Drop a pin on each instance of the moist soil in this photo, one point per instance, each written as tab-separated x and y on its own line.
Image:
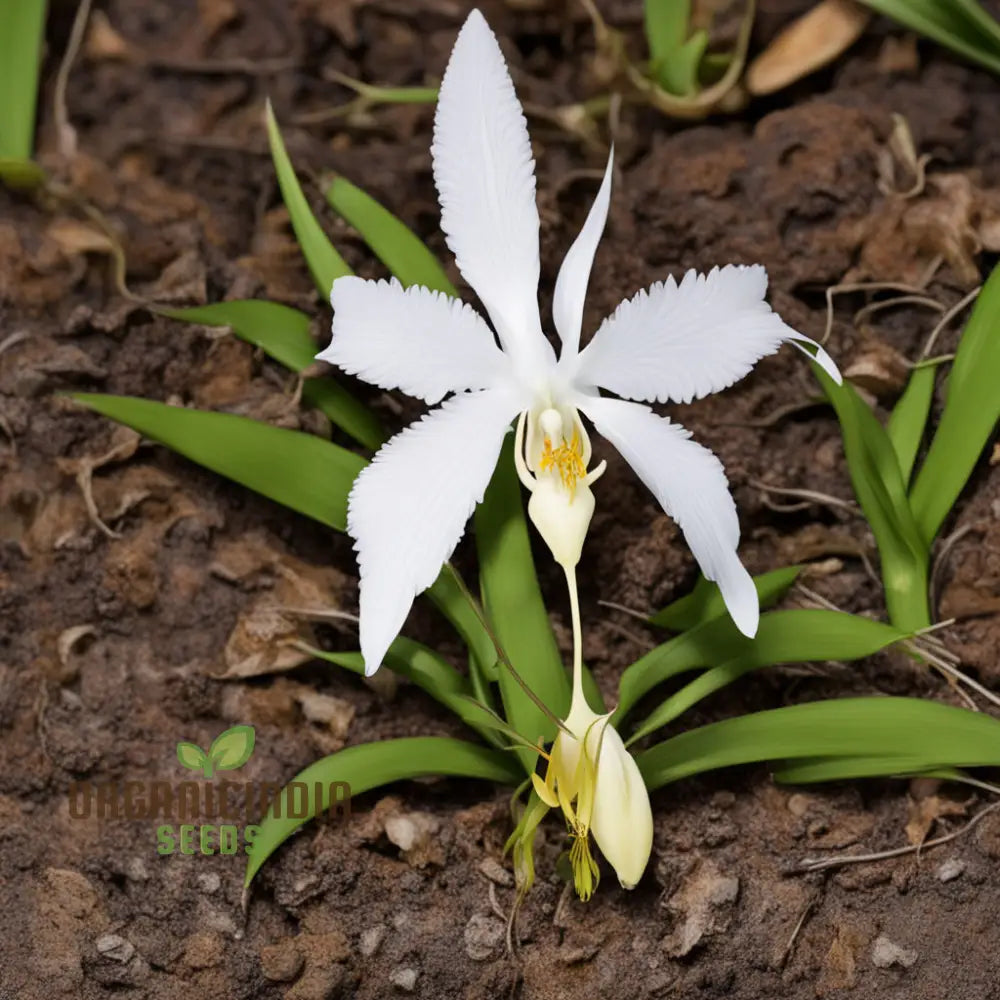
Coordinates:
130	579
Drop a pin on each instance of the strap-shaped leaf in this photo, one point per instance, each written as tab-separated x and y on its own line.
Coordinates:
908	733
515	609
372	765
283	334
797	635
705	601
22	32
392	241
325	264
297	470
878	485
801	636
908	419
970	414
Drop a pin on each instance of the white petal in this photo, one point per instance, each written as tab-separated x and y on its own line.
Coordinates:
485	176
407	510
413	339
690	484
682	342
574	275
622	820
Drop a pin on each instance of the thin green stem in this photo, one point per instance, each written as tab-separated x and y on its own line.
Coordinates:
574	603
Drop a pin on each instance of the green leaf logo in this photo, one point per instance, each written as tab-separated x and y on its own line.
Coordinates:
229	750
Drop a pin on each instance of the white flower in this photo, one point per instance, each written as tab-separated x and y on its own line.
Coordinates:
597	784
675	342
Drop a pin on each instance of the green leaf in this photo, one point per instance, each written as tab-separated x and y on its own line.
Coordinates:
705	601
22	33
232	749
960	25
298	470
971	411
516	611
394	243
811	770
283	334
372	765
677	73
424	668
191	756
325	264
908	419
910	734
878	485
799	636
666	24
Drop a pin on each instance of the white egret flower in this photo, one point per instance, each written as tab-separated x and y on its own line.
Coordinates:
676	341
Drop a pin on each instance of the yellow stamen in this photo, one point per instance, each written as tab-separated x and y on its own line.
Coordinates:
567	459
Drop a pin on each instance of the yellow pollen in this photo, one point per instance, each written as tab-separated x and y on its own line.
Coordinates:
568	459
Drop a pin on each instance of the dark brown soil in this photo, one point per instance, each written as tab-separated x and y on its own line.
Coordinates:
171	150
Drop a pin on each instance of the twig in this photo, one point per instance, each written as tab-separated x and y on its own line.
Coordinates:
65	132
941	562
864	286
643	616
947	318
800	923
820	864
810	496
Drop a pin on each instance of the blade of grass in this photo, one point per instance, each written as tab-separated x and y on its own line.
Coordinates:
22	33
372	765
910	733
325	264
705	601
799	636
947	22
971	411
283	334
424	668
299	471
878	485
514	607
394	243
908	419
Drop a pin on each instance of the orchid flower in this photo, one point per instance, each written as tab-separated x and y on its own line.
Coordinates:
676	341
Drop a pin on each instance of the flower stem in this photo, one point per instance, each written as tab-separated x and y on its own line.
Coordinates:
574	603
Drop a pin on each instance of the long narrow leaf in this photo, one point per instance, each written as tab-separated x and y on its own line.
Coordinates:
947	22
705	601
800	636
22	29
910	733
427	670
394	243
515	608
298	470
970	414
908	419
283	334
325	264
878	485
666	24
373	765
811	770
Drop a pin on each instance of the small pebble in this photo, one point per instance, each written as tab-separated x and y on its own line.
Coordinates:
495	872
950	870
886	953
483	934
114	947
371	940
404	979
208	882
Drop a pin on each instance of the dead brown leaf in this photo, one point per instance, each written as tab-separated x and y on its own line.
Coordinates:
807	44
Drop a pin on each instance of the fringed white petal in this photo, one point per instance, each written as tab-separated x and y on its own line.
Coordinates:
485	176
413	339
682	342
574	275
691	486
407	510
